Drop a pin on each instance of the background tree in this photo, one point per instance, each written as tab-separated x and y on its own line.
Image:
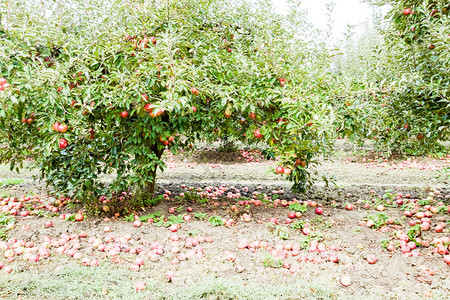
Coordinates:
400	100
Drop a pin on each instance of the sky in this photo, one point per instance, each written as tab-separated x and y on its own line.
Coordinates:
345	12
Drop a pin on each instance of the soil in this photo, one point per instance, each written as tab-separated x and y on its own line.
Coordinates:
394	276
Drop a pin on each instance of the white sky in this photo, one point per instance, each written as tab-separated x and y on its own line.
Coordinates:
345	12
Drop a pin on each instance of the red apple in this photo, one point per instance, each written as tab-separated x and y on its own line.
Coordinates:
140	285
148	108
157	112
345	281
239	268
425	226
173	228
319	210
231	257
447	259
333	258
279	169
194	91
62	143
438	228
273	220
62	128
124	114
94	263
371	259
170	274
257	134
411	245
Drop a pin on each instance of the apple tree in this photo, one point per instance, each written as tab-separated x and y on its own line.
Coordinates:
105	87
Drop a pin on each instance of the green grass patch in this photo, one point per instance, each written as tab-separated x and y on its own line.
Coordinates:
5	221
111	282
216	221
10	181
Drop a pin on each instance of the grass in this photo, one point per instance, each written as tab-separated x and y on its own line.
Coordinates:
200	216
270	262
10	181
297	207
216	221
111	282
282	232
379	219
443	174
5	221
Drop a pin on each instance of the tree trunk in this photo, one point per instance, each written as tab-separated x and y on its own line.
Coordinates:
227	145
149	189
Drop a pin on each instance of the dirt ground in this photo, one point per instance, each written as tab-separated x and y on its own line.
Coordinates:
280	261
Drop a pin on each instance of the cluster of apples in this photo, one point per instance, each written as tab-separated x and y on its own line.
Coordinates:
29	120
25	206
318	252
148	108
91	250
3	84
281	170
61	128
421	216
138	42
251	155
